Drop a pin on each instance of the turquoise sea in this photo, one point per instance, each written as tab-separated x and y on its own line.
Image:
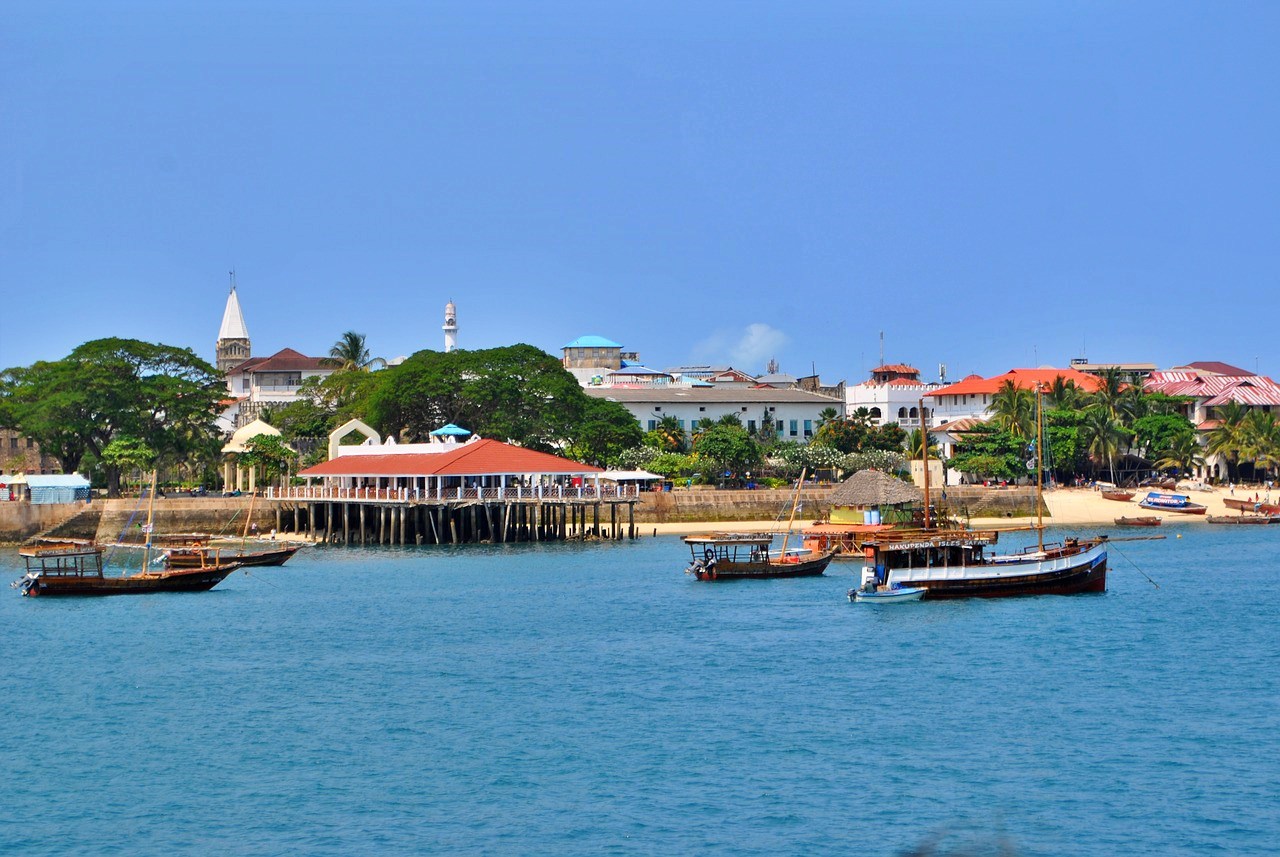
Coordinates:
592	699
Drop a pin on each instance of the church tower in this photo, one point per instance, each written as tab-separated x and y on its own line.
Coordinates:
232	348
450	327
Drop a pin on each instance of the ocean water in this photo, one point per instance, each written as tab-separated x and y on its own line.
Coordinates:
592	699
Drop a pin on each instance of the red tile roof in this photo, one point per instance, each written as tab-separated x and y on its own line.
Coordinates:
285	360
897	367
477	458
1026	379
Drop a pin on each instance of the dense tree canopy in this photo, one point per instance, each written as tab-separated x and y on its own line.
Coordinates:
159	395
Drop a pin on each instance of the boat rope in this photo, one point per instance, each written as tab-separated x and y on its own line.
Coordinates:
260	579
120	538
1111	543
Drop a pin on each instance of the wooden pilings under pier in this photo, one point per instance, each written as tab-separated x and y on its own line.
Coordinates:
467	522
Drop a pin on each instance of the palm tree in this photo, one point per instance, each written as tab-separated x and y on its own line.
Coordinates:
1261	441
1110	390
349	354
701	427
730	419
1013	409
1185	454
1064	395
672	434
1102	436
914	450
826	415
1228	439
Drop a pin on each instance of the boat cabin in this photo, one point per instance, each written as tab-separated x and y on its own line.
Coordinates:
69	559
927	550
730	547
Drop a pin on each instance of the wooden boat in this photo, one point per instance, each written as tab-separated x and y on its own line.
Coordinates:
75	568
199	556
1247	505
886	596
954	563
1240	519
63	569
741	556
1140	521
1123	496
198	553
1179	503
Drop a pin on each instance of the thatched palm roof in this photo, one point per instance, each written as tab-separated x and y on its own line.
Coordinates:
874	488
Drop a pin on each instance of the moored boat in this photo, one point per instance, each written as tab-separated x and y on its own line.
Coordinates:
199	556
882	595
1179	503
954	564
741	556
1123	496
1247	505
1139	521
76	568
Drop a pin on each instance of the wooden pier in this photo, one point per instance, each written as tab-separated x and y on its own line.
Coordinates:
391	517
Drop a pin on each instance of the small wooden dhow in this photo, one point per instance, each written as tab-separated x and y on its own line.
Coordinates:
1139	521
1116	494
73	567
197	552
1178	503
1251	506
743	556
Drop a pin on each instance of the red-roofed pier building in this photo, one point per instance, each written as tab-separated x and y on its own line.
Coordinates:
456	488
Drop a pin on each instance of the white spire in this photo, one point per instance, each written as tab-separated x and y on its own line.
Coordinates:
233	319
450	327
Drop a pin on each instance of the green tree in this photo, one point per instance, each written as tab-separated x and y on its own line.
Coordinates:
669	435
1110	392
1156	433
270	454
1013	409
826	415
988	451
1103	436
164	396
1260	444
1228	439
350	354
605	431
129	454
1184	455
728	448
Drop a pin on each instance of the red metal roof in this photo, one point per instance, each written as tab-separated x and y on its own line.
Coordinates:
478	458
1253	390
1217	367
1026	379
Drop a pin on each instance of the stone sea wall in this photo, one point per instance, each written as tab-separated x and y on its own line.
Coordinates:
21	521
711	505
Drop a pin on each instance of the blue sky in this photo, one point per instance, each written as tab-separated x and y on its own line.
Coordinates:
990	184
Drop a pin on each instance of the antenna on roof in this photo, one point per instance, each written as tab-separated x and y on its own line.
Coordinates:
232	274
882	348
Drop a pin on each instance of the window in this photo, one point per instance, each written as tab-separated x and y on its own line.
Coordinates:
682	425
875	414
13	443
914	413
779	428
795	428
653	424
751	426
30	443
808	428
902	413
658	410
702	407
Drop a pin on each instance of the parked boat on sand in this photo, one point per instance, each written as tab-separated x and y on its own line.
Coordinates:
1122	496
1179	503
1139	521
1241	519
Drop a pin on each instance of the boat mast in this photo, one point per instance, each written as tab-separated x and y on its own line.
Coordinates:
792	520
924	454
244	537
1040	467
151	517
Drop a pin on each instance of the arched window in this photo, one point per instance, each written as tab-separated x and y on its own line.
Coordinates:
914	413
902	413
875	413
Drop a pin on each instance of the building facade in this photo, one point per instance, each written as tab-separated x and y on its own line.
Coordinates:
793	414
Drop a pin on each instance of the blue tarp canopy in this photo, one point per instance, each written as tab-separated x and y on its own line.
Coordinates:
57	488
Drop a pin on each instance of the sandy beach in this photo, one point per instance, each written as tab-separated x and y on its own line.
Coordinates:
1067	506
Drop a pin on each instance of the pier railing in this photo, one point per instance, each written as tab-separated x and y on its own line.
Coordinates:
516	493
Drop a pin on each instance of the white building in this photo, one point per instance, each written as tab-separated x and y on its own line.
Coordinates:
795	413
257	382
892	395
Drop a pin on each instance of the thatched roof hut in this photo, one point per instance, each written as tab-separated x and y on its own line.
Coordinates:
874	488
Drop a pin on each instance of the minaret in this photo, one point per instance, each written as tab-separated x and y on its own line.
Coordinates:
232	348
450	327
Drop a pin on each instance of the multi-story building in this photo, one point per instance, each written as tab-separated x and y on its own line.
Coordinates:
891	395
971	397
793	414
20	454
